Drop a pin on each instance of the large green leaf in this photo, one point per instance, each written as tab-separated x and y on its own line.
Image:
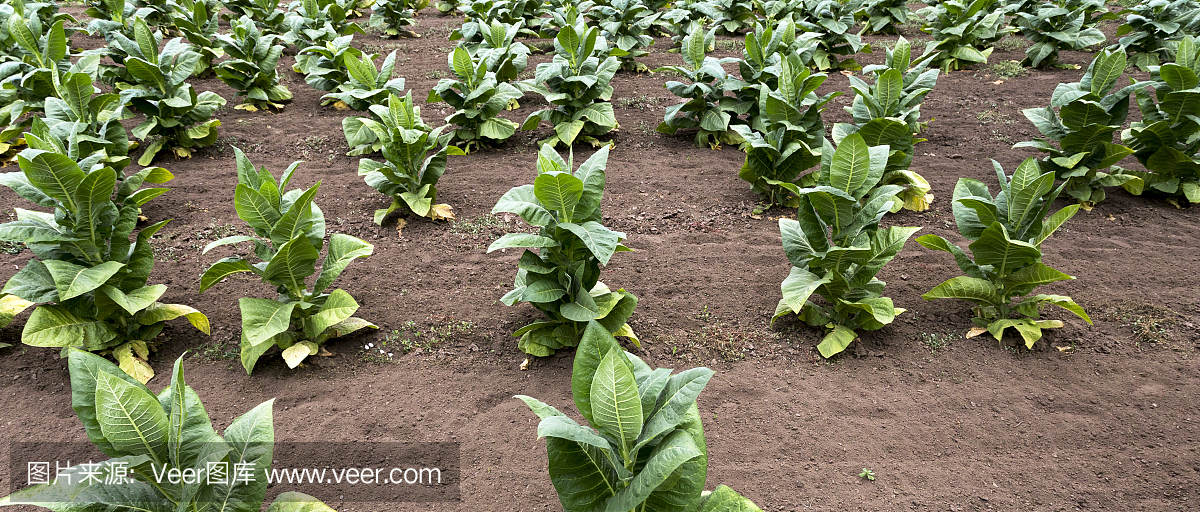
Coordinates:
252	439
511	240
799	285
57	326
523	202
131	418
851	165
616	406
135	300
596	343
665	460
598	239
56	175
677	398
223	268
559	191
582	475
85	369
292	264
966	288
159	312
254	208
836	341
724	499
190	430
342	250
1005	255
338	307
262	319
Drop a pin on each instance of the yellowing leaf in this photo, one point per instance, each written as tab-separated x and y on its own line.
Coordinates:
294	354
131	364
441	212
341	105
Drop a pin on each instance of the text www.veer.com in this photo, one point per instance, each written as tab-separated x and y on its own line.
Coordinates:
355	476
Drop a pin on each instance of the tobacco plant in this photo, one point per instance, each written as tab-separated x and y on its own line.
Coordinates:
325	65
1053	27
707	109
36	55
87	279
1089	113
407	175
576	84
85	123
1167	139
313	22
836	247
781	143
477	98
289	235
199	26
158	89
830	22
883	16
1005	264
265	13
887	113
365	86
504	56
643	445
390	17
626	24
146	434
963	33
1153	29
250	68
562	278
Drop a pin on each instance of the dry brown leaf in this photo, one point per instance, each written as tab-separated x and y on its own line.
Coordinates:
441	212
1065	350
998	82
325	353
525	364
976	331
400	223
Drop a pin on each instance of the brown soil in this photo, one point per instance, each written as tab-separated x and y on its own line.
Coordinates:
1101	417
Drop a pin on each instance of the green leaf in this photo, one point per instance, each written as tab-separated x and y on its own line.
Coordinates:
159	312
85	369
338	307
677	398
799	285
724	499
254	208
616	406
836	341
342	250
135	300
292	264
56	175
601	241
57	326
131	418
262	319
523	202
510	240
1005	255
666	458
252	439
596	343
559	191
966	288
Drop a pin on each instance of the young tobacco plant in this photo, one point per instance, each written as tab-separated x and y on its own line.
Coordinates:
85	123
1167	139
146	434
1089	113
365	86
250	68
1153	29
781	141
325	65
643	445
265	13
707	109
627	25
883	16
407	175
391	17
477	98
87	279
1053	27
157	88
313	22
36	53
887	113
289	234
198	25
576	84
562	278
1005	264
836	247
503	54
963	33
830	22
